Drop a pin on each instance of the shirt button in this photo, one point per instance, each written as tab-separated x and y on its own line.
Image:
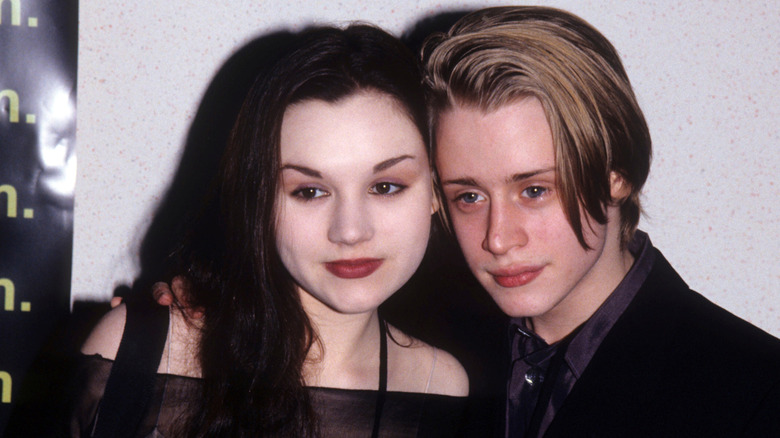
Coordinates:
521	332
534	376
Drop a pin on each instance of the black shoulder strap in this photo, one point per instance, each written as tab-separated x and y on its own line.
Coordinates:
130	385
382	393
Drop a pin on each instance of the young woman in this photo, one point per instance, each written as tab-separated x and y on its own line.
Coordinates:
321	210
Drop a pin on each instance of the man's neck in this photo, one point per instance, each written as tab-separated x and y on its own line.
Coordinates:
587	296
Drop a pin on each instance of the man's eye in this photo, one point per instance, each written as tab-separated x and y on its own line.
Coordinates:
308	193
386	188
534	191
469	198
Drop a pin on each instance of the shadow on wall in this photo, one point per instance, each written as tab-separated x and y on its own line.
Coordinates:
202	152
206	140
208	135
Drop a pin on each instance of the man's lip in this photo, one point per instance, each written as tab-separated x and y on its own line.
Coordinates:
516	276
353	268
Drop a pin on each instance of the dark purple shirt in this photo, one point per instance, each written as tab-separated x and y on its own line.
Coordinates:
531	355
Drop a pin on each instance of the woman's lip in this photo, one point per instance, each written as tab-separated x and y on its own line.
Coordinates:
514	277
353	268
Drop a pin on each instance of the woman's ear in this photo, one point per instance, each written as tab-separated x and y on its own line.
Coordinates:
619	188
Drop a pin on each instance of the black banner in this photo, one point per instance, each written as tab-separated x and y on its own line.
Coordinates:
38	52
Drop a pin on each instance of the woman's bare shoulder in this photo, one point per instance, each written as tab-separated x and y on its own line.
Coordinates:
107	334
448	376
180	351
425	368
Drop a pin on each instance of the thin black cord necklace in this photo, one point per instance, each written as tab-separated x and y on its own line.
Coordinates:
380	397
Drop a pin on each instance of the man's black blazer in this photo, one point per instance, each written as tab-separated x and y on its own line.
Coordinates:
676	365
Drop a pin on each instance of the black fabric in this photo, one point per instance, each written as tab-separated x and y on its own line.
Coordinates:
130	385
674	364
346	413
160	404
548	384
343	413
380	398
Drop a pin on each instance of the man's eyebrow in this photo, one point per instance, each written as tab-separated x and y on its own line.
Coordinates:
391	162
525	175
460	182
303	169
466	181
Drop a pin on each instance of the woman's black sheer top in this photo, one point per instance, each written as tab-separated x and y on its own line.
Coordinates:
343	413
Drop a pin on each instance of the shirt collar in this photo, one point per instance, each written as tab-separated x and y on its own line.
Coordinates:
595	329
585	343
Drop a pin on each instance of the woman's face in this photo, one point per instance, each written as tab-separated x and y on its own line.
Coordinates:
355	200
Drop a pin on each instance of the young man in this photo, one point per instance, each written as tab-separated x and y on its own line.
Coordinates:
542	151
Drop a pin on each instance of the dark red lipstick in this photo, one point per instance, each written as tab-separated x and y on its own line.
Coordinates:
354	268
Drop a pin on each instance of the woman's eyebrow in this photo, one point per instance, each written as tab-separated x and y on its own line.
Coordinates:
303	169
391	162
377	168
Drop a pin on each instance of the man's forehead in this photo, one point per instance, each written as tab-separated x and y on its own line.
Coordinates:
487	107
516	132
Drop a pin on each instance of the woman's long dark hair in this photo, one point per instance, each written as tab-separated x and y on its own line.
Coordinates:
255	334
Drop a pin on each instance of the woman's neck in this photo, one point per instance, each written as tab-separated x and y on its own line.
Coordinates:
346	354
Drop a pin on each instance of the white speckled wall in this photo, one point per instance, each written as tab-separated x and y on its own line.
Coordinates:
706	74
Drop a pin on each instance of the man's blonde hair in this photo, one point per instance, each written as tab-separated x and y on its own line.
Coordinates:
496	56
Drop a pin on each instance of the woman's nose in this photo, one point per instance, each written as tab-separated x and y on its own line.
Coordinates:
351	223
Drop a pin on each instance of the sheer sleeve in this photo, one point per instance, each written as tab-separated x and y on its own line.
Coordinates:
93	372
173	401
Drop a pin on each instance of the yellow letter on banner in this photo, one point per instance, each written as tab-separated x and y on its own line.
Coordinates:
5	381
8	286
10	191
13	100
16	12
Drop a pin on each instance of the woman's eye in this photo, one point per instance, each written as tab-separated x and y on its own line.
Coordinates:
308	193
386	188
534	191
469	198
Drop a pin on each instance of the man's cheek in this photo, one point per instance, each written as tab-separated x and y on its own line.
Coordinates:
470	236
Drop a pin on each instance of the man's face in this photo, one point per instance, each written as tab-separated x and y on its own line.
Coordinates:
498	174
